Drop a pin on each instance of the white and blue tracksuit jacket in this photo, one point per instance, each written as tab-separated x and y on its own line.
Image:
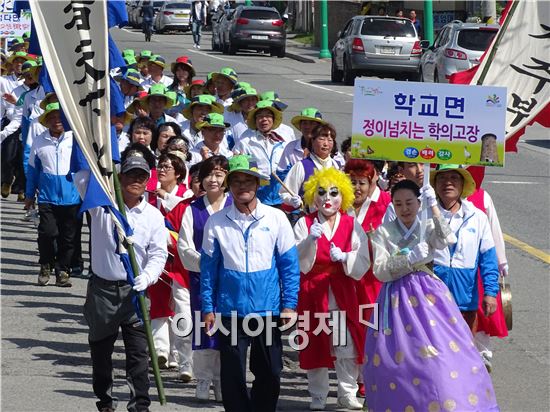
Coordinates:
457	265
255	271
49	170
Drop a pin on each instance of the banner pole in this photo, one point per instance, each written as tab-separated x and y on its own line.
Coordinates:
494	49
141	298
424	213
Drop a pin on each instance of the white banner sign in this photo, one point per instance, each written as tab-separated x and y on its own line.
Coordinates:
439	123
74	41
522	63
13	25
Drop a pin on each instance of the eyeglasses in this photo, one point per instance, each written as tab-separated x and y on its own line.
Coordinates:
165	167
265	116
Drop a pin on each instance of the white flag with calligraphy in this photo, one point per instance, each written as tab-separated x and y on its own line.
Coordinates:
522	64
74	42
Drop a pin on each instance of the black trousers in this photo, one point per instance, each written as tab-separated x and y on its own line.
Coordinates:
58	233
109	308
12	163
135	346
266	364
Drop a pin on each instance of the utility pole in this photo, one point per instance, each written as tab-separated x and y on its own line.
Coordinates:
324	53
488	11
428	21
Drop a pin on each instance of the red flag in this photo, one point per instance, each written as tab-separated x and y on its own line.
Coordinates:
517	63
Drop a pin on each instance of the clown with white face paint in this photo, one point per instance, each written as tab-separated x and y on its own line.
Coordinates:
333	250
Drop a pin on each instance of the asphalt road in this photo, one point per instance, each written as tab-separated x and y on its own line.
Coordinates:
45	357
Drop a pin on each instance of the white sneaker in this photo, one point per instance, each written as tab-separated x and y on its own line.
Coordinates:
185	372
349	402
217	390
318	403
173	360
202	390
195	45
198	46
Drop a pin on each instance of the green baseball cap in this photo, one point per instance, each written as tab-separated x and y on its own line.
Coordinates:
132	77
145	54
248	165
28	66
240	85
239	94
130	61
274	97
158	60
18	55
52	107
213	120
159	90
203	99
18	41
469	183
309	113
227	72
128	52
265	104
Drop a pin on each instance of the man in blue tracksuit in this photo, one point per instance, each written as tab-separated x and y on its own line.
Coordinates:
458	264
249	266
58	198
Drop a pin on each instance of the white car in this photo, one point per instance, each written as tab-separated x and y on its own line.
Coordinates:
173	16
457	47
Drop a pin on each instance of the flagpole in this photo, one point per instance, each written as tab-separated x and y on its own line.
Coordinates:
497	42
141	298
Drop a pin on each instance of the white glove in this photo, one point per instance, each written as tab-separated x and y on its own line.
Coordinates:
503	269
142	282
295	202
336	254
316	230
419	253
427	194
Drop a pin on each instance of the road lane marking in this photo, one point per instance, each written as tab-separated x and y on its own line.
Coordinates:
322	88
545	257
510	182
209	55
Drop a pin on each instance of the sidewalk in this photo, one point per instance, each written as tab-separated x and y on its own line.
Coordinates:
302	52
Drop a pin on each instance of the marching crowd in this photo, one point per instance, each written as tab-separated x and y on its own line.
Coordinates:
241	218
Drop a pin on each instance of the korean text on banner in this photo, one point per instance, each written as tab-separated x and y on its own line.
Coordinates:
522	64
14	25
436	123
74	39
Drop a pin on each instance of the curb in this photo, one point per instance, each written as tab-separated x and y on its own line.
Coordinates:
300	58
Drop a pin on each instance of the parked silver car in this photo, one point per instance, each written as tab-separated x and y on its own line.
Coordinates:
136	18
131	8
376	45
173	16
457	47
217	23
257	28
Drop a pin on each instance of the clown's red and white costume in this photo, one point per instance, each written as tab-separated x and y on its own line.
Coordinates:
327	286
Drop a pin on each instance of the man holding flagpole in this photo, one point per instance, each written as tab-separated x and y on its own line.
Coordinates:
110	299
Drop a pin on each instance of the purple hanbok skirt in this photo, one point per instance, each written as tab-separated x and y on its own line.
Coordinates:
423	357
205	341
